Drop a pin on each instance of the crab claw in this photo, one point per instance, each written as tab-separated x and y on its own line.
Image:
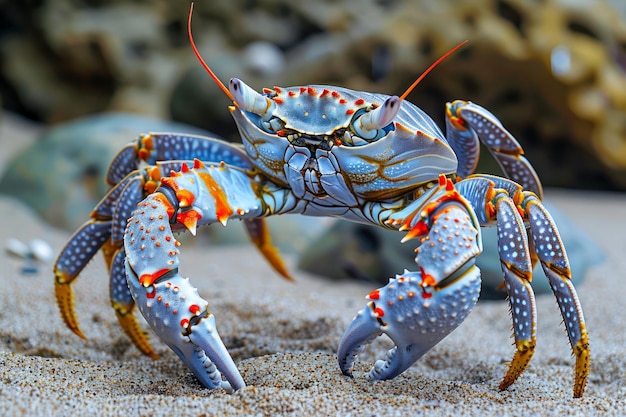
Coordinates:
168	302
413	314
182	320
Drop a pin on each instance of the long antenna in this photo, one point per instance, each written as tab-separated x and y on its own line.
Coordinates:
429	69
204	64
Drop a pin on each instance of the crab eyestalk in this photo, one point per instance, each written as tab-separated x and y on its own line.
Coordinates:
249	100
367	125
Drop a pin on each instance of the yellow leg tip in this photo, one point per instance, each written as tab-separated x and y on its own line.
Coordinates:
65	301
521	359
133	330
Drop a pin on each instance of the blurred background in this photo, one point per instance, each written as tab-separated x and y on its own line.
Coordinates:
78	79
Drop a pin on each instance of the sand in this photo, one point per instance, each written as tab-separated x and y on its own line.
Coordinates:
283	337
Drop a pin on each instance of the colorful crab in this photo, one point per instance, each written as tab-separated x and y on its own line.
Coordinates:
330	151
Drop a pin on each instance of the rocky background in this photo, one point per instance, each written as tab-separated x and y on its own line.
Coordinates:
554	71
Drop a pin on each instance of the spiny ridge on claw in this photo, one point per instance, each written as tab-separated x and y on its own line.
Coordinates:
374	295
190	219
419	229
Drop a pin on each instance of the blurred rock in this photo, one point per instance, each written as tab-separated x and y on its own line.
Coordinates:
61	175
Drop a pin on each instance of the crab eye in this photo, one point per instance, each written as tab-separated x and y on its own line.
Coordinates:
374	124
249	100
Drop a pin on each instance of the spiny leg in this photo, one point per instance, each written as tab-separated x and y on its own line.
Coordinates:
260	235
551	253
484	192
82	246
517	270
491	199
124	305
467	123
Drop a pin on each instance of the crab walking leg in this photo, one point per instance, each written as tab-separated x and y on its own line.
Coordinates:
169	303
488	194
517	270
82	246
551	253
92	236
259	234
467	124
124	305
416	310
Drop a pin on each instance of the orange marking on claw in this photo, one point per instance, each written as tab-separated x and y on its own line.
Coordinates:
278	100
190	219
427	279
184	323
147	280
223	210
194	309
419	229
311	91
170	182
359	102
184	167
378	312
185	198
349	112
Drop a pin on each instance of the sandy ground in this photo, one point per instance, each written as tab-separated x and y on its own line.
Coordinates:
283	337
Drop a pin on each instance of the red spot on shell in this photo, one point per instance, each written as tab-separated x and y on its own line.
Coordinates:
311	91
278	89
302	90
335	94
197	164
378	312
184	323
184	167
325	92
292	94
359	102
278	100
343	101
349	112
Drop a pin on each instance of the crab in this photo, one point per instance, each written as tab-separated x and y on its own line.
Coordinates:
330	151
